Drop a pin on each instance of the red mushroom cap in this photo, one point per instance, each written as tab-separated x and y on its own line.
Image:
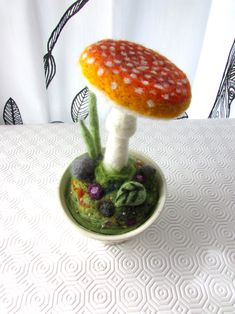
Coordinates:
136	78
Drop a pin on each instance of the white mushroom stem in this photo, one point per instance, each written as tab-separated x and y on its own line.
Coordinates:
121	126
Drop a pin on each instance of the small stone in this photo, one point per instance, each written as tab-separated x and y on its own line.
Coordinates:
83	168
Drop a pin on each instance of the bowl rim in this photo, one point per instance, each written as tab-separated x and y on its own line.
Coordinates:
117	237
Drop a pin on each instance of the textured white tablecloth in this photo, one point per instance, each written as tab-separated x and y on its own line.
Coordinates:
184	263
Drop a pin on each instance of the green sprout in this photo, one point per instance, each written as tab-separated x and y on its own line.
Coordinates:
92	137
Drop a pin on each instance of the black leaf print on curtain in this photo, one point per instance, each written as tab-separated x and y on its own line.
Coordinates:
226	93
79	108
48	59
49	67
11	113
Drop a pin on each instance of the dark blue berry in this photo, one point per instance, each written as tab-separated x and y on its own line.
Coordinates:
147	171
83	168
139	178
129	216
145	174
107	208
131	222
95	191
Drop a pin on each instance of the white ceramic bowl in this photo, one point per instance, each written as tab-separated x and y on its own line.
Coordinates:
161	182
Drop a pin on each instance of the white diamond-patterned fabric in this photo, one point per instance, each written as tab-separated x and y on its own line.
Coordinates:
184	263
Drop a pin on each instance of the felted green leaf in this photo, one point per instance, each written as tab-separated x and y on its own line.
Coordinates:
130	193
88	139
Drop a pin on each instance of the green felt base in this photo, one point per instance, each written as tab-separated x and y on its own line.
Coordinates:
85	212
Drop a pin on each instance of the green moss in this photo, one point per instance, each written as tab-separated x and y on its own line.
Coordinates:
103	176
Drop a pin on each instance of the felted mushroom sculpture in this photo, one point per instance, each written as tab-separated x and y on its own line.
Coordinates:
137	81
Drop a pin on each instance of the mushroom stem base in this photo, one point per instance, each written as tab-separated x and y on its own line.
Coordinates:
121	127
116	153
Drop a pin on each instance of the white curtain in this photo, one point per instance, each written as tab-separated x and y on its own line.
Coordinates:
214	82
197	35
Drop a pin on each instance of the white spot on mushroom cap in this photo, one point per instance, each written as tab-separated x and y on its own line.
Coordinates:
109	64
143	62
103	47
148	76
90	60
142	68
127	80
165	96
139	90
145	82
155	68
133	75
136	71
100	72
117	61
150	103
136	62
115	71
184	81
158	86
129	64
114	85
84	56
178	90
112	48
